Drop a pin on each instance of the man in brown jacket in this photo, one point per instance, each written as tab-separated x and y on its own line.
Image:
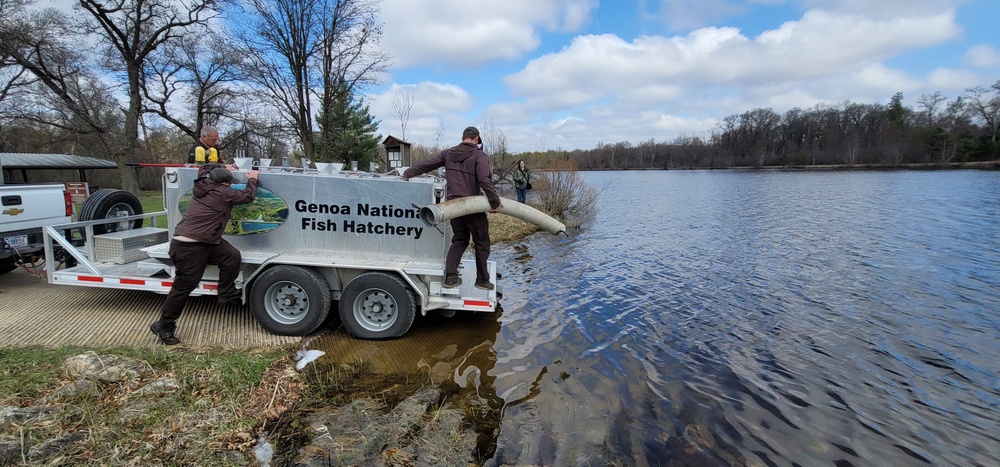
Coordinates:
198	242
467	170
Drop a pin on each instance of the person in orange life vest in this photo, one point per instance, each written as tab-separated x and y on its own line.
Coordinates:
204	151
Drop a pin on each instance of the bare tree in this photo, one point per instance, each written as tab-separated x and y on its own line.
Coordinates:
130	30
64	95
495	144
503	163
438	135
954	123
278	47
540	143
402	103
986	107
350	60
199	75
297	46
135	29
930	104
13	78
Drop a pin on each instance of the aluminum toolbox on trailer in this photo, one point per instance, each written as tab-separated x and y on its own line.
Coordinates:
126	246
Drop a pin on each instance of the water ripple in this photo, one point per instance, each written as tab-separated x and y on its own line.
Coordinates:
747	318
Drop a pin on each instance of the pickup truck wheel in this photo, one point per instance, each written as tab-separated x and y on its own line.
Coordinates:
290	300
109	204
6	267
377	305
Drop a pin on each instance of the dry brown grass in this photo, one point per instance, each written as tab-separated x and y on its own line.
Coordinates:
505	228
213	417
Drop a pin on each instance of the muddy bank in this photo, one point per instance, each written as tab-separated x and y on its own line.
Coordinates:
427	399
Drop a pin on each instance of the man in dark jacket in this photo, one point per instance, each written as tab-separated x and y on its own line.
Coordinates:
467	170
198	242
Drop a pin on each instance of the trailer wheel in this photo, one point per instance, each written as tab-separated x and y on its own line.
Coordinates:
109	204
377	305
290	300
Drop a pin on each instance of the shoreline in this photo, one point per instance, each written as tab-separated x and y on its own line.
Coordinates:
977	165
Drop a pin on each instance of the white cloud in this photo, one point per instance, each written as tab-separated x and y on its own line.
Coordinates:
429	98
601	87
982	56
883	79
818	45
459	34
434	105
945	79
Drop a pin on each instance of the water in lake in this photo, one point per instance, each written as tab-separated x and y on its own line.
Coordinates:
745	318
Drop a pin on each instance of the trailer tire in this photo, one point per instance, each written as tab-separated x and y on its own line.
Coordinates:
376	305
108	204
290	300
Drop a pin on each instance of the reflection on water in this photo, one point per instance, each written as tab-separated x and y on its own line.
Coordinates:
743	318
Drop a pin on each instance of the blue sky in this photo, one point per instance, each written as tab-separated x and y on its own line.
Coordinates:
570	74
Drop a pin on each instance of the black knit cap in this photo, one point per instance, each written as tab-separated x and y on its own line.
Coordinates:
220	175
470	132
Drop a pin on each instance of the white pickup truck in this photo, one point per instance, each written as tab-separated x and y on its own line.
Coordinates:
24	210
28	208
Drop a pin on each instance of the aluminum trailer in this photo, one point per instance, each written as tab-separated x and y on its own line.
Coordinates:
308	240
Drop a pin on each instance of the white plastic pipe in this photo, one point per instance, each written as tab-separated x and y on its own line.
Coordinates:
448	210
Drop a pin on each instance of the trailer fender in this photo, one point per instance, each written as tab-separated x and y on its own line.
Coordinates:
436	213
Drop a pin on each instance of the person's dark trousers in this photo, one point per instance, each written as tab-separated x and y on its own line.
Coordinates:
522	195
190	260
478	226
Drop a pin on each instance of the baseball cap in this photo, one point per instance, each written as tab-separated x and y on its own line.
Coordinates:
220	175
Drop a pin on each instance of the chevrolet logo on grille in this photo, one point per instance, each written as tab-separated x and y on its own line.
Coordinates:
13	211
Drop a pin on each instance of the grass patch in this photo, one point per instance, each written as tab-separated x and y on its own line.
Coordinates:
113	423
505	228
152	201
27	373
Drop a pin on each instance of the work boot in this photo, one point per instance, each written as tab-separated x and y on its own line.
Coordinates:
165	333
234	299
452	280
485	285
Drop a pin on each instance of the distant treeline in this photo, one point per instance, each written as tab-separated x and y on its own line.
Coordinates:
937	131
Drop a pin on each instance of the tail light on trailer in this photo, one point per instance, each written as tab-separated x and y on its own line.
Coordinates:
68	200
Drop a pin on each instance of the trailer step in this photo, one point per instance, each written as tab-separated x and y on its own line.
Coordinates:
151	266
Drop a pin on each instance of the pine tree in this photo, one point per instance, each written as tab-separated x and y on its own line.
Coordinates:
347	132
